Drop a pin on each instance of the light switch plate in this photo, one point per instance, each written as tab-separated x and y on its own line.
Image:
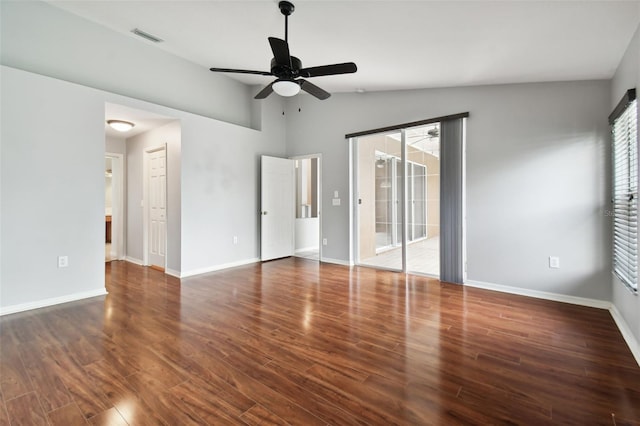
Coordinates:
554	262
336	201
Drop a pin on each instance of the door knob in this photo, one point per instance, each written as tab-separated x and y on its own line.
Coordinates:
264	213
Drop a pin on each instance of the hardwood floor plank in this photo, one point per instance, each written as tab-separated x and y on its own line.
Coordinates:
69	415
209	403
259	416
4	417
41	369
122	395
14	380
110	417
80	386
298	342
25	410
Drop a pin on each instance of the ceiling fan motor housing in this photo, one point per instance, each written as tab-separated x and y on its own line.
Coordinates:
285	71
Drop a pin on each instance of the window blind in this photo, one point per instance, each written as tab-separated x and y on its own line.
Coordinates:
625	192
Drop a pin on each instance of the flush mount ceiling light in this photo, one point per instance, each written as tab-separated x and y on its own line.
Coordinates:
286	88
120	125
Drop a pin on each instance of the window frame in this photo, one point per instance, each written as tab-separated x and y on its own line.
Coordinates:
624	179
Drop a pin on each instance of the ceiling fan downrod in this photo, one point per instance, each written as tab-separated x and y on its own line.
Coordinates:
286	8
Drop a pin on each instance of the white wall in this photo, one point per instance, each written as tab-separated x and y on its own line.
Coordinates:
46	213
38	37
115	145
627	77
169	134
537	175
307	233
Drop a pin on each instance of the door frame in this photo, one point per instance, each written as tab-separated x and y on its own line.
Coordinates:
319	195
145	203
117	206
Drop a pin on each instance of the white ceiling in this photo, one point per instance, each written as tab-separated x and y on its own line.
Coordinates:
396	44
143	120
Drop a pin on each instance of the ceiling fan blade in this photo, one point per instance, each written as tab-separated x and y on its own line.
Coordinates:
265	92
314	90
345	68
280	50
240	71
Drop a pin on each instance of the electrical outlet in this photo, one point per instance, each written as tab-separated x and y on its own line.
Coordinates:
235	239
554	262
63	261
324	241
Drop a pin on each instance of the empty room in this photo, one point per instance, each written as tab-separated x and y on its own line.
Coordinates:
319	212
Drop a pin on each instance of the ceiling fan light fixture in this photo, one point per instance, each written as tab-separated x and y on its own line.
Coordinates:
120	125
286	88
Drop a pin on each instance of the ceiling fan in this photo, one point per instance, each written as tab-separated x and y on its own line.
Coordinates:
288	69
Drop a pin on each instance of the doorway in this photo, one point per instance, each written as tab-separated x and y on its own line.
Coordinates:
290	207
114	207
307	227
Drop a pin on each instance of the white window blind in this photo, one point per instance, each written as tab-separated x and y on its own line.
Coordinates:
625	191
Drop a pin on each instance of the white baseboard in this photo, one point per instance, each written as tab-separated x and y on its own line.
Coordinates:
300	250
134	260
206	270
336	261
172	272
626	332
574	300
52	301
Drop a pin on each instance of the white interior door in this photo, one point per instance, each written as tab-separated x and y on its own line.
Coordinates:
277	222
157	202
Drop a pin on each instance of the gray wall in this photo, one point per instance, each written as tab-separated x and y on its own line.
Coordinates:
220	187
52	186
41	38
52	180
537	170
627	77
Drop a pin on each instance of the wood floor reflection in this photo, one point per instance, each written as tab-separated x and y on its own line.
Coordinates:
298	342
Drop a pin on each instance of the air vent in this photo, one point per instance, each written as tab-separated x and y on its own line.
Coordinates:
146	35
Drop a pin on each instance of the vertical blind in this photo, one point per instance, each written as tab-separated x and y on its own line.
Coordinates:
451	199
625	191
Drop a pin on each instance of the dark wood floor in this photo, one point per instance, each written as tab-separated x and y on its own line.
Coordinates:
297	342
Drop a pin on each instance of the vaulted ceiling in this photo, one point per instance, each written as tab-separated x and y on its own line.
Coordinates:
396	44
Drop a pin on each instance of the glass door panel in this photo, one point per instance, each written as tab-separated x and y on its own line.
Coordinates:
379	201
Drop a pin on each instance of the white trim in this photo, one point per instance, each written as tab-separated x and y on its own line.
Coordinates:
336	261
306	249
626	332
574	300
134	260
50	302
206	270
172	272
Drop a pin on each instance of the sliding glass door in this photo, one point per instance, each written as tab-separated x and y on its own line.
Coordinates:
397	178
380	172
